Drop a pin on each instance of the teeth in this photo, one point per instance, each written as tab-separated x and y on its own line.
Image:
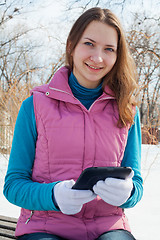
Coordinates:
93	67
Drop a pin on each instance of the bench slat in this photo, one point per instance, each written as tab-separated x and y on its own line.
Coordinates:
7	227
6	238
8	219
7	233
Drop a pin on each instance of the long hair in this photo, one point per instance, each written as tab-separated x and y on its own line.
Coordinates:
122	78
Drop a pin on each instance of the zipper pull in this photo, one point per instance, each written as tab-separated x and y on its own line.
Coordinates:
29	217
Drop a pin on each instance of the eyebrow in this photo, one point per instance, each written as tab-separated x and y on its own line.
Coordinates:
107	45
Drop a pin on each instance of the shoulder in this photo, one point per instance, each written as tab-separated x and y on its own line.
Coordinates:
136	114
28	101
27	106
26	116
27	110
136	126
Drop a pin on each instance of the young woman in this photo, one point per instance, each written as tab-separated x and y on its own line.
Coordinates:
86	116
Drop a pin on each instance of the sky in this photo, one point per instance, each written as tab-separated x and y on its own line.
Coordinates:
55	9
52	14
56	21
52	17
52	22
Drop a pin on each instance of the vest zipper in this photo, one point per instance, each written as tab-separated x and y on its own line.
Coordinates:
97	100
58	90
32	212
104	98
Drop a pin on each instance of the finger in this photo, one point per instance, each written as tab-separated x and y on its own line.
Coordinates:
106	196
113	191
101	184
81	201
115	182
103	192
121	188
69	183
77	193
72	210
95	189
81	194
89	199
112	200
98	190
131	175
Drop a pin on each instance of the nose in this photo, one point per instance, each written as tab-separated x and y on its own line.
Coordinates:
96	57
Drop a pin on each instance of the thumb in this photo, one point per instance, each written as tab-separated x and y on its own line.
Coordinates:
130	175
69	183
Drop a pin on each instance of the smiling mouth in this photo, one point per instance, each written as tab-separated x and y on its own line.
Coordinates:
96	68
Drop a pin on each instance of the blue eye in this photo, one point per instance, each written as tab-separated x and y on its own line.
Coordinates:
88	43
110	49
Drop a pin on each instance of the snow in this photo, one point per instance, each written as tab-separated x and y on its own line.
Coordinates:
143	218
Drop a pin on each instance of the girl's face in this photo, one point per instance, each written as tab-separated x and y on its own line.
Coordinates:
95	54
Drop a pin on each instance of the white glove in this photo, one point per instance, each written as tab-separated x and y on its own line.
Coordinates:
70	201
113	190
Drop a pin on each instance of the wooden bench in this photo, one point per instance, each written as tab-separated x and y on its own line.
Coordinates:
7	228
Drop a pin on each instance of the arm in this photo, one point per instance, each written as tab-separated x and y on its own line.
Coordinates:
132	158
19	188
125	193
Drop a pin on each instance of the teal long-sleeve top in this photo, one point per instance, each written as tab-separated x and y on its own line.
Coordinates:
19	188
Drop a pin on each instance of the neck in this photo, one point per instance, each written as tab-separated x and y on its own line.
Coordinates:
85	95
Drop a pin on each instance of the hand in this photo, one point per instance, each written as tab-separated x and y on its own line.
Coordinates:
70	201
113	190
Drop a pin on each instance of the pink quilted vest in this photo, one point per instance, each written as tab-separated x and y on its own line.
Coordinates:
70	139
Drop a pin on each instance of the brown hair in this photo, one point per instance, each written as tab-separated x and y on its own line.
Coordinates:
122	77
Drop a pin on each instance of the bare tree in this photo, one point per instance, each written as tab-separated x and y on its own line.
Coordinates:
84	4
144	43
20	63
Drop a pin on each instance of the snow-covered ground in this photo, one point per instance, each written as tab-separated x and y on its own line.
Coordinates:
144	218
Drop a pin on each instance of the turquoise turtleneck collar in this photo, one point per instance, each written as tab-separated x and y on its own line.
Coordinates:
85	95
